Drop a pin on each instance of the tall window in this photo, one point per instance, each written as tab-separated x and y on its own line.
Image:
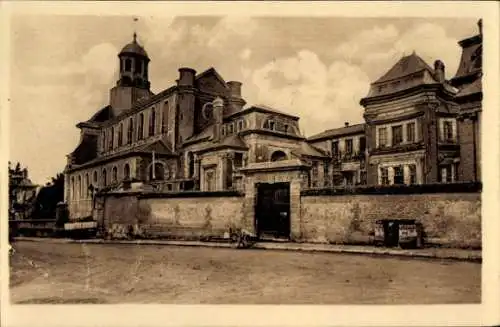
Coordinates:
413	174
229	173
104	177
335	149
164	117
410	132
115	174
111	138
130	130
382	137
285	128
94	179
271	125
348	146
159	172
384	174
397	135
231	127
73	195
447	131
140	128
240	125
399	175
126	172
152	122
120	134
138	67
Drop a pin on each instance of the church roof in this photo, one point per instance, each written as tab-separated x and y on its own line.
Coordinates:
405	66
86	150
336	132
134	48
264	109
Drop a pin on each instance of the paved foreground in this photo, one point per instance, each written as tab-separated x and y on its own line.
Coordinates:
119	273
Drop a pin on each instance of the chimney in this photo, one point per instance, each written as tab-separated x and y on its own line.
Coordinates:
480	25
236	102
234	89
186	77
346	124
218	111
439	71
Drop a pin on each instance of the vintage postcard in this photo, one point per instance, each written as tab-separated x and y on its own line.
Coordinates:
324	163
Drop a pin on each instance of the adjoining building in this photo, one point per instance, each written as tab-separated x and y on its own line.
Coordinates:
419	127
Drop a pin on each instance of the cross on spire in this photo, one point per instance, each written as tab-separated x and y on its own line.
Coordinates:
135	27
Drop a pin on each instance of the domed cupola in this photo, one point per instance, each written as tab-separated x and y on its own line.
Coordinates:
134	62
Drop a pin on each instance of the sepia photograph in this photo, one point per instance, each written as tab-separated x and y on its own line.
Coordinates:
249	159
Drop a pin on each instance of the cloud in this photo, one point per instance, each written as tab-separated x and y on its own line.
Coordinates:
245	54
378	48
323	96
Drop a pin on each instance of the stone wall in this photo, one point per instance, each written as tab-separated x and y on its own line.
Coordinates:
173	215
450	219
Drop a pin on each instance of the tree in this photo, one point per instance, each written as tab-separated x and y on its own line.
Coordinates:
48	198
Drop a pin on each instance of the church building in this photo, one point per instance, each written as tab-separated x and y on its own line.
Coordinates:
195	135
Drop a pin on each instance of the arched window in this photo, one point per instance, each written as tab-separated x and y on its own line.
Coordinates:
95	178
278	156
104	177
120	134
164	118
138	66
115	174
152	122
126	172
130	131
73	195
140	130
159	172
87	184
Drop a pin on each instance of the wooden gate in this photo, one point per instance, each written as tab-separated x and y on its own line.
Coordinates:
272	210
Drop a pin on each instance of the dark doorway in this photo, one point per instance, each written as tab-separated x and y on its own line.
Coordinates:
272	210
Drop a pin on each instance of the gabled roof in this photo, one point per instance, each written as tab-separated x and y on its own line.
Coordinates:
405	66
210	71
337	132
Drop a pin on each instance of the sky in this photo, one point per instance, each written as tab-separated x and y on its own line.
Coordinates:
318	68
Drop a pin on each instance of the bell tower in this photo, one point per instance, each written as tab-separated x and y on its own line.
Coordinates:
133	83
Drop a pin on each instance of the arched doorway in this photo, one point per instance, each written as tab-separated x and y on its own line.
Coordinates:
126	172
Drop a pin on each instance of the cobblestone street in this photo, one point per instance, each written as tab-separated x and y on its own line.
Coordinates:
117	273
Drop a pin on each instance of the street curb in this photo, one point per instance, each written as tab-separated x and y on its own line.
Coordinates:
460	255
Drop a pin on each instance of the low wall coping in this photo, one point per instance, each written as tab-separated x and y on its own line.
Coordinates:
397	189
190	194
